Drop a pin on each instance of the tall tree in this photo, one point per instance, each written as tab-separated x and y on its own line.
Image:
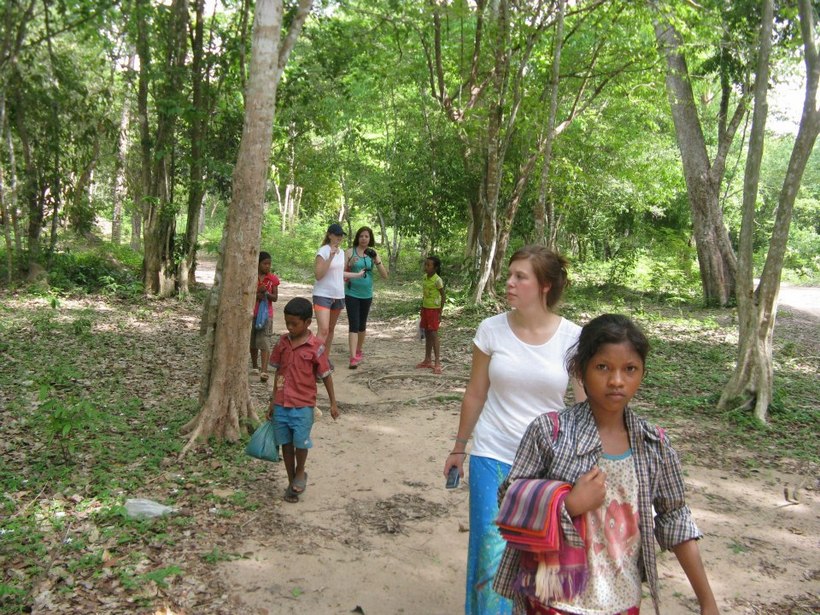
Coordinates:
751	384
159	210
227	406
196	189
704	172
501	99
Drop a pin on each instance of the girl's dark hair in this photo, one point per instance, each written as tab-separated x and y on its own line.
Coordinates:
550	268
299	307
264	256
436	263
359	232
605	329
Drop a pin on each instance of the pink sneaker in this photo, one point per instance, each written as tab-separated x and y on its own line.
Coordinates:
354	363
359	355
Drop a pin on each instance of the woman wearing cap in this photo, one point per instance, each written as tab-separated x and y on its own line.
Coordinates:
329	289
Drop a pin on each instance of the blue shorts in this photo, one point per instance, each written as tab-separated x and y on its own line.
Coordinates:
326	303
293	425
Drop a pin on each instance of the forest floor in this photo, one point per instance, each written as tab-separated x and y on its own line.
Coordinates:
375	532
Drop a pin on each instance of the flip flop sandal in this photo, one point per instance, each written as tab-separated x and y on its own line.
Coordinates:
291	496
299	485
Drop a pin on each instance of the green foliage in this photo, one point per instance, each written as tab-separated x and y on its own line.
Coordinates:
64	418
98	270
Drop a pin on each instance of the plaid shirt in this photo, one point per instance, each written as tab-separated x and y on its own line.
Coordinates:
575	451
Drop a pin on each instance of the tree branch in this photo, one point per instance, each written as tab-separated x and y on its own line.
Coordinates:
295	29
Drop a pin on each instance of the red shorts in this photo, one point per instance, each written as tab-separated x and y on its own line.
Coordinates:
430	319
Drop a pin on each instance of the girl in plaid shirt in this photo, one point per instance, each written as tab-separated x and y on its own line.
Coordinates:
621	467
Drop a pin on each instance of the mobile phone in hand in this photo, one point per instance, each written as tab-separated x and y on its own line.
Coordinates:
453	479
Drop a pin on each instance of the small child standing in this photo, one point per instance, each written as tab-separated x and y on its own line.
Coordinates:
431	305
267	291
299	359
619	468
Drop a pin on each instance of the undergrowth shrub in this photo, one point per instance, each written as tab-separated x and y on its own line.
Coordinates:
106	270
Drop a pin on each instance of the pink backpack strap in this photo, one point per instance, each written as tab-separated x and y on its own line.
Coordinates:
553	416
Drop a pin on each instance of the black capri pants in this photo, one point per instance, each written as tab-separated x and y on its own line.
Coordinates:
357	312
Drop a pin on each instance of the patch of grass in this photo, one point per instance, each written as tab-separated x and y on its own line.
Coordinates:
737	547
216	555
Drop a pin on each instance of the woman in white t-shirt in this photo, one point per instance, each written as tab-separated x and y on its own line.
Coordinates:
518	372
329	289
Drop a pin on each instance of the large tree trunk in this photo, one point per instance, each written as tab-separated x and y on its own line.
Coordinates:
752	382
228	407
718	265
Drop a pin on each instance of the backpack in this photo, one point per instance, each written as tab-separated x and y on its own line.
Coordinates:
262	316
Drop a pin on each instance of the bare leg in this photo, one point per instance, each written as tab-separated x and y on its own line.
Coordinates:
436	344
352	341
301	458
360	343
290	461
322	324
428	345
265	359
333	318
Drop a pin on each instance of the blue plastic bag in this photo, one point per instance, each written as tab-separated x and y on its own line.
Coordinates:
263	443
261	320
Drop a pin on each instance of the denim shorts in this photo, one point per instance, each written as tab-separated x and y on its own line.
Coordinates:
326	303
293	425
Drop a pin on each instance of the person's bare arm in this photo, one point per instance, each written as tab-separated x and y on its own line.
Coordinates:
471	405
688	555
334	409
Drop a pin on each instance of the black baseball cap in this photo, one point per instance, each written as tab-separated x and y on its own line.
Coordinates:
336	229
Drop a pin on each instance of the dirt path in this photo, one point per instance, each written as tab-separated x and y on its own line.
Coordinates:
376	532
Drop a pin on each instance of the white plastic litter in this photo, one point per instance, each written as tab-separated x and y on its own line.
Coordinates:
141	508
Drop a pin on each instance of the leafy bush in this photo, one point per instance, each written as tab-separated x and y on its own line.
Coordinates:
106	270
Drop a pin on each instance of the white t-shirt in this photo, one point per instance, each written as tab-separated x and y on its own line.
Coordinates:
525	382
332	285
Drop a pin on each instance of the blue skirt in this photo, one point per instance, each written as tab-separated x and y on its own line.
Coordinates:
486	545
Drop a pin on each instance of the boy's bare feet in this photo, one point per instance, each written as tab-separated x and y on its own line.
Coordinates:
424	365
437	368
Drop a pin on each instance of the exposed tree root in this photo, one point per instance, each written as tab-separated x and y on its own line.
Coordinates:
215	420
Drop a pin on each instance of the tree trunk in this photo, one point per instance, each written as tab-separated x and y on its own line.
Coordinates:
752	382
144	190
118	189
187	268
718	265
228	408
5	219
33	190
159	275
543	212
12	206
136	229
